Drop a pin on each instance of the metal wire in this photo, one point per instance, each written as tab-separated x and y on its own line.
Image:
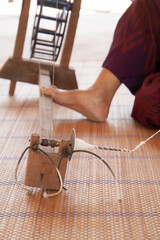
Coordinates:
35	147
110	169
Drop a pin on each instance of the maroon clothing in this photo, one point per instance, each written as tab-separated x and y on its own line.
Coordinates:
135	50
146	107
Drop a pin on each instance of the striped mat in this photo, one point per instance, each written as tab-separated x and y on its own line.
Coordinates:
88	209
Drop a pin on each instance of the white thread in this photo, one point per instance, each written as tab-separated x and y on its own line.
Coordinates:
82	145
118	191
144	142
45	194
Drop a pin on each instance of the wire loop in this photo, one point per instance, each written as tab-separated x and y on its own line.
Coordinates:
36	148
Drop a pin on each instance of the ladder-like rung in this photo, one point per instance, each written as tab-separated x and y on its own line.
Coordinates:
53	18
53	3
45	58
45	44
40	51
42	40
49	32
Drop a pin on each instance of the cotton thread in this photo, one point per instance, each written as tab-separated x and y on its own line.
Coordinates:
82	145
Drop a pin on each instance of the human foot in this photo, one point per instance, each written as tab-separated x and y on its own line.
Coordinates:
94	103
90	103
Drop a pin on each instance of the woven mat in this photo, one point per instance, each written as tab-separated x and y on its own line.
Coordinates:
89	208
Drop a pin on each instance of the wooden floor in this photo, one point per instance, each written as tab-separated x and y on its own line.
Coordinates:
89	208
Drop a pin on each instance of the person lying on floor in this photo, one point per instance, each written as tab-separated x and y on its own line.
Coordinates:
134	60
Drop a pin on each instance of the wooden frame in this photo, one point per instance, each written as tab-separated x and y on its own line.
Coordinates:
18	69
40	172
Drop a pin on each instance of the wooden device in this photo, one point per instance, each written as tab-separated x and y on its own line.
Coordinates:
40	171
18	69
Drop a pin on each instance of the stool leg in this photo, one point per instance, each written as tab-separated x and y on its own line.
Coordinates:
12	88
20	38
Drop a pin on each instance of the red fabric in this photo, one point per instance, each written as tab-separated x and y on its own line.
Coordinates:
146	107
134	53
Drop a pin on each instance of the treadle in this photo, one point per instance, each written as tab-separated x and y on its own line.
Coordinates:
48	31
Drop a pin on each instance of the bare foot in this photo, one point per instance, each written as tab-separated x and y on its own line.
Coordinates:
94	103
87	102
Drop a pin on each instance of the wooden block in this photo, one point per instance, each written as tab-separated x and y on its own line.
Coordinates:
16	69
40	172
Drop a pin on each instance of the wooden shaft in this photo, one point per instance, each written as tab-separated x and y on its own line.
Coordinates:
20	38
45	107
70	36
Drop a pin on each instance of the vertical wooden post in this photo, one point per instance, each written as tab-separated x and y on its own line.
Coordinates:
45	107
21	33
71	31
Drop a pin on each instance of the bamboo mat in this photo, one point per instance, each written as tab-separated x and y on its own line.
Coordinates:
89	208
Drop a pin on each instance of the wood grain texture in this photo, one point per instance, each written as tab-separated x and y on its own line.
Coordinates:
40	171
22	70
